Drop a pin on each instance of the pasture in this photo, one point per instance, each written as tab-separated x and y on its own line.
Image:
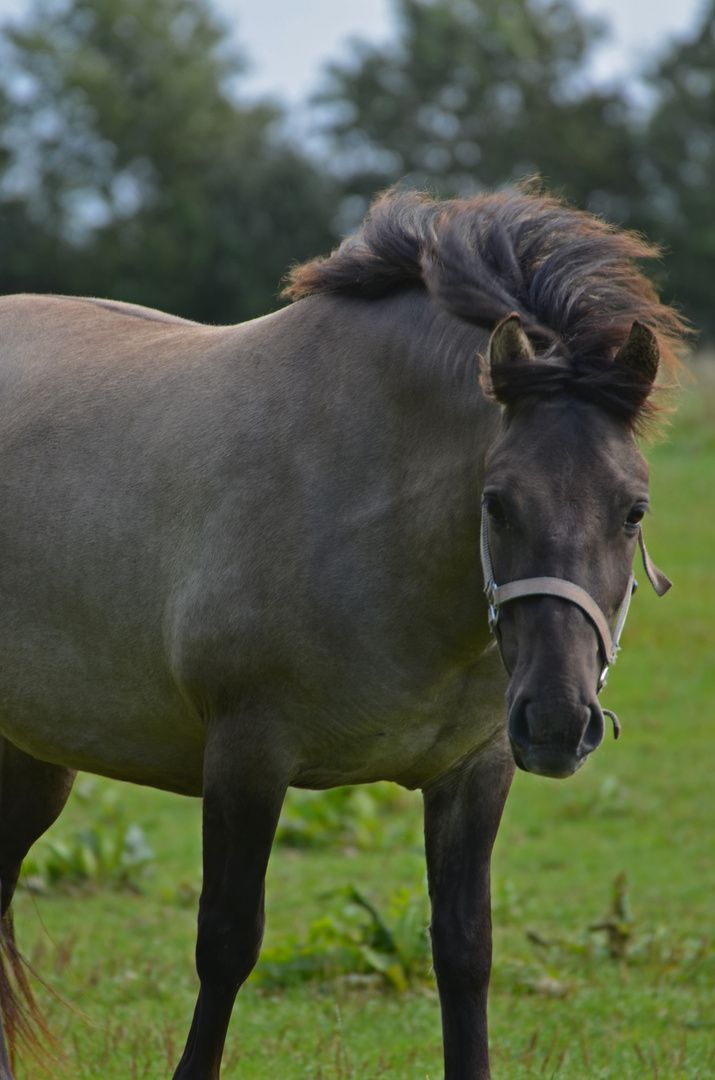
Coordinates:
626	846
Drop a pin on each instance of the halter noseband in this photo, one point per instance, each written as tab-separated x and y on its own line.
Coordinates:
567	590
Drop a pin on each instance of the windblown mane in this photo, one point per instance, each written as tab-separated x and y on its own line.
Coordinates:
572	278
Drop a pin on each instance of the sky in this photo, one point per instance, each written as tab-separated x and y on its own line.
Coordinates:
288	41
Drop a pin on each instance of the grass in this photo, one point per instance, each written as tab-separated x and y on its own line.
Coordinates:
633	1000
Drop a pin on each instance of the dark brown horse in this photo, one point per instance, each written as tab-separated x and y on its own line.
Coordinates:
238	559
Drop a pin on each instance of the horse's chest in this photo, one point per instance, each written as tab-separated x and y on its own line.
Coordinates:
411	740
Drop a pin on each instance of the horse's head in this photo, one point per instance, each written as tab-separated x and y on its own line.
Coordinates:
565	491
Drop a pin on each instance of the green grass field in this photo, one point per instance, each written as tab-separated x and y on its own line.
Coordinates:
633	1000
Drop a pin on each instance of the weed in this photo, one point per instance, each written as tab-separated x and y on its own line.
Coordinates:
358	942
111	852
618	924
366	817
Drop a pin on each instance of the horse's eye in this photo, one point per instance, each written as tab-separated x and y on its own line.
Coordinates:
635	517
494	509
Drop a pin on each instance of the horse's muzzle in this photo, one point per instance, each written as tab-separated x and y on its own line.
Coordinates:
554	738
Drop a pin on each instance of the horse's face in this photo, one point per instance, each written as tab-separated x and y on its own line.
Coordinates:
564	493
565	489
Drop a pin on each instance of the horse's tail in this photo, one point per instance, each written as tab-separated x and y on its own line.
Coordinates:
22	1021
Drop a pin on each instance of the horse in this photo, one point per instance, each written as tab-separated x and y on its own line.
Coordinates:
384	533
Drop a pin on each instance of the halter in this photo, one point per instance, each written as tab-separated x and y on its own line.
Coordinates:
567	590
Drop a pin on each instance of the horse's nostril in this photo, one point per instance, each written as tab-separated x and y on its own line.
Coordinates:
593	735
576	728
553	737
519	730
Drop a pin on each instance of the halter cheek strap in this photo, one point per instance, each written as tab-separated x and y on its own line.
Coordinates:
568	590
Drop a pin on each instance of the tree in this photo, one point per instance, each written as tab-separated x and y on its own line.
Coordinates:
130	170
475	93
679	205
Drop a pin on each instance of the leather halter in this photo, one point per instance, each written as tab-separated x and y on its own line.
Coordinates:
568	590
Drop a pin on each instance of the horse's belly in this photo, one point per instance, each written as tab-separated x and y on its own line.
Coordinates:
131	730
140	757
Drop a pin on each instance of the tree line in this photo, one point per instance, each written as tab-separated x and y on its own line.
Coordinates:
131	167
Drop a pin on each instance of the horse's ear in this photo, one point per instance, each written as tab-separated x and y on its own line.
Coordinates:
508	343
639	353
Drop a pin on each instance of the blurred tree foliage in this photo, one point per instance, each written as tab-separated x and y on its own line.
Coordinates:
475	93
679	170
128	166
127	169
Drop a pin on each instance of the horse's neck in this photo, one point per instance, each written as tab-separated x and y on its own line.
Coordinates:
399	378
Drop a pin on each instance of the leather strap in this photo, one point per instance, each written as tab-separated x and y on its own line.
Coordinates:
567	590
657	578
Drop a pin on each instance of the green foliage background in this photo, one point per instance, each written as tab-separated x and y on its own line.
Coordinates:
130	170
131	166
595	975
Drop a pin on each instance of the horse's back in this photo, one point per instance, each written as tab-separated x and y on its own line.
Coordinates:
68	330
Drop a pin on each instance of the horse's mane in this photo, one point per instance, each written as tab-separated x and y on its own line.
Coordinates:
573	279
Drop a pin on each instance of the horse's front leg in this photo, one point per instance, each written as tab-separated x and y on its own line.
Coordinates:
244	788
462	814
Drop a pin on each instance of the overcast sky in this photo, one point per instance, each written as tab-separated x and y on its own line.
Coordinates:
287	41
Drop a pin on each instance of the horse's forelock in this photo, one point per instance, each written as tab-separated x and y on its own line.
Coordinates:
621	393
